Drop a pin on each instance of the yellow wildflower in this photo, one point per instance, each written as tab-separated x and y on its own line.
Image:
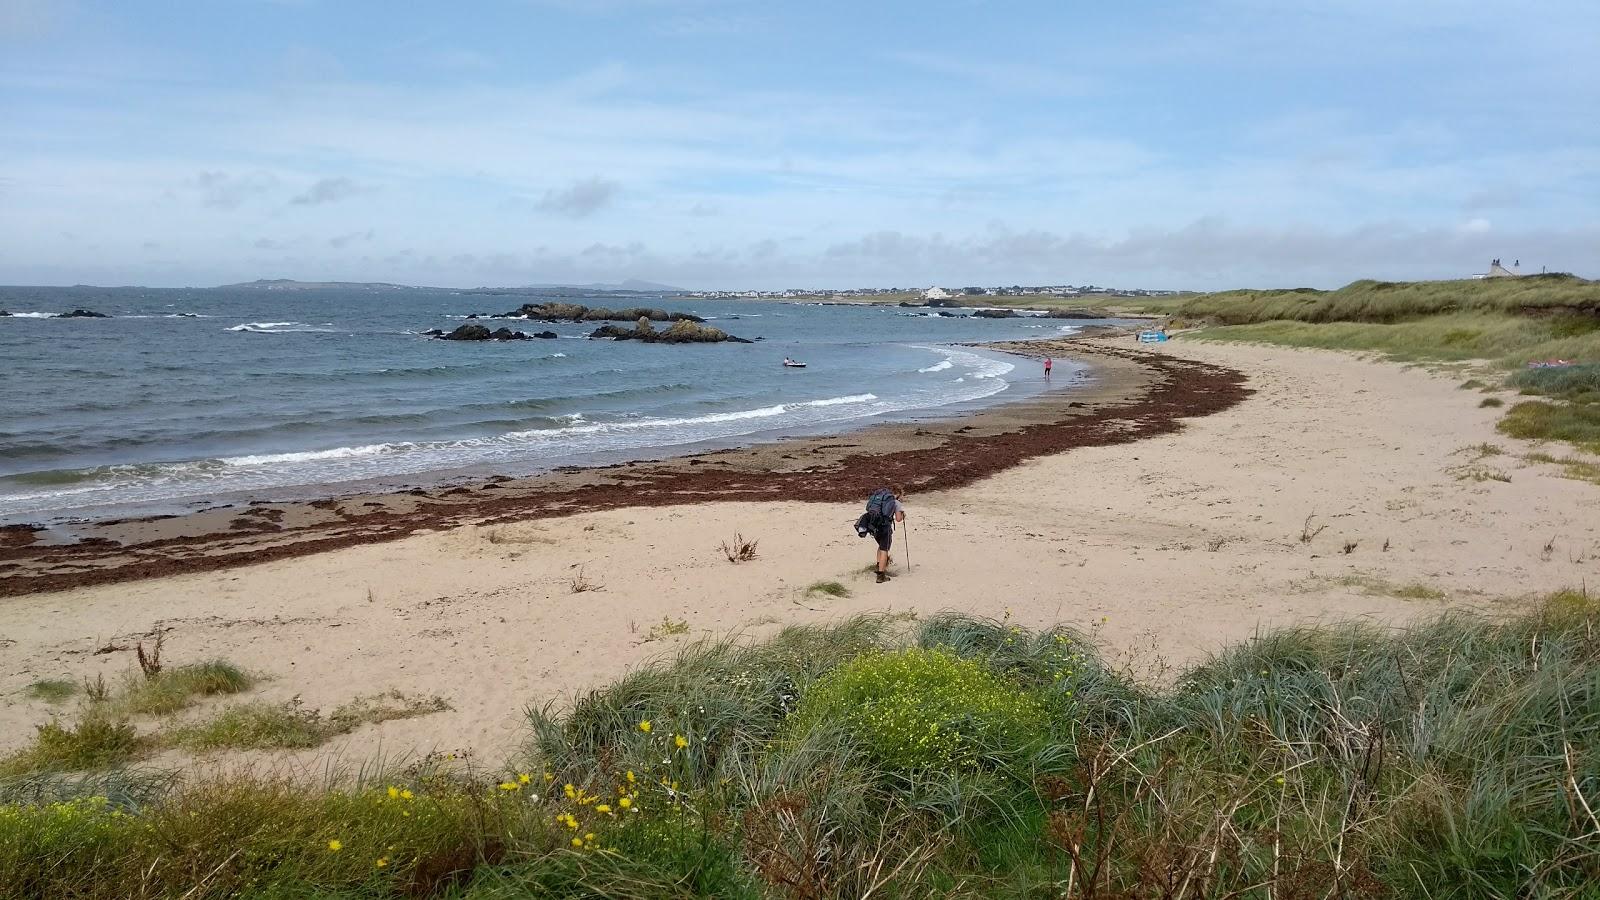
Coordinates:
406	795
603	808
524	778
571	792
577	842
335	845
630	776
589	836
645	726
381	862
680	740
394	793
509	786
625	802
548	777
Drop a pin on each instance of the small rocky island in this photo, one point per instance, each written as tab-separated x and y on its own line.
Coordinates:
82	314
685	328
482	333
573	312
682	331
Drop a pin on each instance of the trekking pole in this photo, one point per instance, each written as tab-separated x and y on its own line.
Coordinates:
908	548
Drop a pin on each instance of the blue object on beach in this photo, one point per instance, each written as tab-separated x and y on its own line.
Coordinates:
1152	337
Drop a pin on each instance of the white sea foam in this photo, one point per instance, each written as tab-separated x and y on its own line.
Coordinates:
33	315
939	366
282	328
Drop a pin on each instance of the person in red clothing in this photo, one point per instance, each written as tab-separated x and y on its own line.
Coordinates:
1047	368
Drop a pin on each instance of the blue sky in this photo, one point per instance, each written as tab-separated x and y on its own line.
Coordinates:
734	143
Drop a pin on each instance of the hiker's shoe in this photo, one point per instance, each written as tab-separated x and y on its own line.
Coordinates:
882	577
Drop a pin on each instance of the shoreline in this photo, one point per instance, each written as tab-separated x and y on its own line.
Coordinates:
1133	395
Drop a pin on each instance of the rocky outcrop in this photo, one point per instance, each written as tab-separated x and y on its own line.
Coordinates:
83	314
5	313
1077	314
996	314
478	333
681	332
545	335
573	312
943	303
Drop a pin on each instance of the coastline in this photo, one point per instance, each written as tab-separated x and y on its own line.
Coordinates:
1161	551
1131	395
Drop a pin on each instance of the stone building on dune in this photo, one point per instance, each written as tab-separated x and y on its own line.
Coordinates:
1498	271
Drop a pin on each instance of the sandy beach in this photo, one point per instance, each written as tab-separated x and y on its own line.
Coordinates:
1164	513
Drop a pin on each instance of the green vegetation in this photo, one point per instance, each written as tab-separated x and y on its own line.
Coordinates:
171	690
1571	466
919	709
95	742
52	690
1507	321
1491	402
1459	758
1393	302
831	588
291	726
1377	587
1578	423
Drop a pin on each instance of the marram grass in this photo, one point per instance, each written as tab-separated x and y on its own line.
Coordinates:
1456	758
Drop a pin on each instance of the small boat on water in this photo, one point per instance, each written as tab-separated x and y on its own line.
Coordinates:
792	364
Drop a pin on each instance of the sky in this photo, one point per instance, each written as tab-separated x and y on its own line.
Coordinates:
732	144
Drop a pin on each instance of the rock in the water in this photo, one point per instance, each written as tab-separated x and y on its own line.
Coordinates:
479	333
506	334
573	312
943	302
83	314
909	304
681	332
949	315
434	332
996	314
4	313
547	335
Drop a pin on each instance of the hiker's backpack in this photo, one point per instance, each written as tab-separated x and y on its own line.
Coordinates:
878	506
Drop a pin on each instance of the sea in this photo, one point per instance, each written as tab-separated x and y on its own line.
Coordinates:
191	397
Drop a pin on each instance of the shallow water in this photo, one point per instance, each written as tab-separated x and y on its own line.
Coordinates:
192	394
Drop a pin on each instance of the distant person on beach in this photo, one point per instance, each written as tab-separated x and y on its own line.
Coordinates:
1047	368
883	511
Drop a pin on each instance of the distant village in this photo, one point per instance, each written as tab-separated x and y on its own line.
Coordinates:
936	293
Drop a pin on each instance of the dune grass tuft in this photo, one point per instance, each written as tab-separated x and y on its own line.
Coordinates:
1537	420
52	690
176	688
831	588
291	726
96	742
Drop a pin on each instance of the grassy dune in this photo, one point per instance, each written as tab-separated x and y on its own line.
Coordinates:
949	758
1507	322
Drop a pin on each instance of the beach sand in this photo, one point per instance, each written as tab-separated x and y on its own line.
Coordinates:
1165	548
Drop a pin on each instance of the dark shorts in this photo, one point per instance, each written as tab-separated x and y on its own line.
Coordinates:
884	536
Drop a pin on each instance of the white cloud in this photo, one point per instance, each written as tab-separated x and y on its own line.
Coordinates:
327	190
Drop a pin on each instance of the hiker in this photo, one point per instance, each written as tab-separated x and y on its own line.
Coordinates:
883	511
1047	368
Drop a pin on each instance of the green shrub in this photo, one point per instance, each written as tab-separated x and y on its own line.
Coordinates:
920	709
290	726
95	742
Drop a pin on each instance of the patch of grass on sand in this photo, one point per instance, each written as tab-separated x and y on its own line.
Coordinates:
1491	402
666	628
291	726
178	687
809	765
1537	420
96	742
1377	587
1571	466
831	588
52	690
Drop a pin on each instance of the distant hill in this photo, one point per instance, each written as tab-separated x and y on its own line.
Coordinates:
290	284
632	284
